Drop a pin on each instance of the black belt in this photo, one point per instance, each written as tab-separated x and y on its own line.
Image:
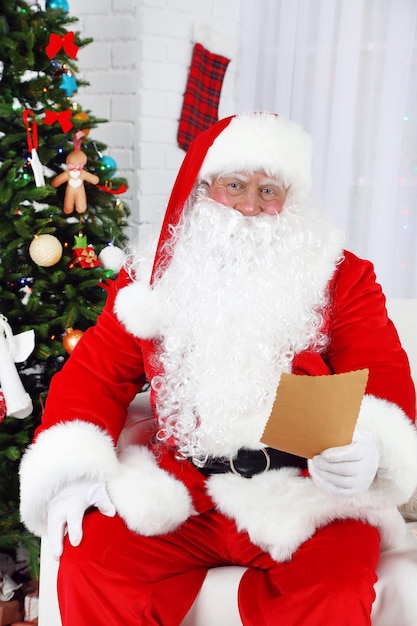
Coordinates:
247	462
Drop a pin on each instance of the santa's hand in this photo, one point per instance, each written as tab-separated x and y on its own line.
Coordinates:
347	470
66	512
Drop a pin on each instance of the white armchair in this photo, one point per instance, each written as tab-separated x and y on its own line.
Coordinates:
396	589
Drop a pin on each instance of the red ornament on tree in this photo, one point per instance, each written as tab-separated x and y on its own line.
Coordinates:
83	254
56	42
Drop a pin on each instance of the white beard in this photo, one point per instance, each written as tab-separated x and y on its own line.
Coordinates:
240	297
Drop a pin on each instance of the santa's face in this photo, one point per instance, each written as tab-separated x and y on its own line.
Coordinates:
249	193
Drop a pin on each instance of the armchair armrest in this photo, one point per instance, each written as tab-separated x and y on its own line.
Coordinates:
140	423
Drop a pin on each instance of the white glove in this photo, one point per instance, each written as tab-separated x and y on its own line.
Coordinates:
347	470
66	512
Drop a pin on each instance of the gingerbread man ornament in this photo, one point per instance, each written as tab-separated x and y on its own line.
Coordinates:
75	176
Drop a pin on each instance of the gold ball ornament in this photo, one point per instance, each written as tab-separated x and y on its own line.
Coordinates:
84	118
71	338
45	250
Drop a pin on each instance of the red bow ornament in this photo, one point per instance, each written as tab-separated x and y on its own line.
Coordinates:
63	118
56	42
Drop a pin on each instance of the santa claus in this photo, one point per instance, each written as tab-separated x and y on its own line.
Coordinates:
246	282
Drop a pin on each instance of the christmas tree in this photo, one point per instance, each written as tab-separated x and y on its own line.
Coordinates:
62	223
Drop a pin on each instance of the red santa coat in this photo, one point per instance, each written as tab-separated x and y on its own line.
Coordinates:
88	400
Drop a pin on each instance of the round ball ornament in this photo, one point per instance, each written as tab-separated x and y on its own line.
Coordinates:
71	338
112	258
57	4
83	117
107	165
45	250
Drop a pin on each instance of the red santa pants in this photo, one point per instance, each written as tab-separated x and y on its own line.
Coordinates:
120	578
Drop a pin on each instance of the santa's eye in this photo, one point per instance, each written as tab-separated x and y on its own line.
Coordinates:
234	185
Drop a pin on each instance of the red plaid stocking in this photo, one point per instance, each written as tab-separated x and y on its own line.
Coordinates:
202	94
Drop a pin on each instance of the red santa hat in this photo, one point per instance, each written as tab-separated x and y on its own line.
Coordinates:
246	142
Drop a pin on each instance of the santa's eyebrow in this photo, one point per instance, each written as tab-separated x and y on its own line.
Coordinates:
238	175
271	182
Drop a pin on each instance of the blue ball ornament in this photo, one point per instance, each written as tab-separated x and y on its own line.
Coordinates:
57	4
107	165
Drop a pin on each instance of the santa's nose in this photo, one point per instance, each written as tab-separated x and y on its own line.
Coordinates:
248	203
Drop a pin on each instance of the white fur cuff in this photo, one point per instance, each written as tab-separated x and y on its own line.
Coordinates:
149	499
396	437
63	454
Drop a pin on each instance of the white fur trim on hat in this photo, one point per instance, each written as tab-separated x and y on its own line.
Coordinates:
263	142
137	307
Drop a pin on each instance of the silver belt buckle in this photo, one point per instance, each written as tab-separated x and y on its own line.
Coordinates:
266	468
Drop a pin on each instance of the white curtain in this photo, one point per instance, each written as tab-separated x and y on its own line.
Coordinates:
347	71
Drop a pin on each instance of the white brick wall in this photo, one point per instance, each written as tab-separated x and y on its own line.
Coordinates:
137	68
